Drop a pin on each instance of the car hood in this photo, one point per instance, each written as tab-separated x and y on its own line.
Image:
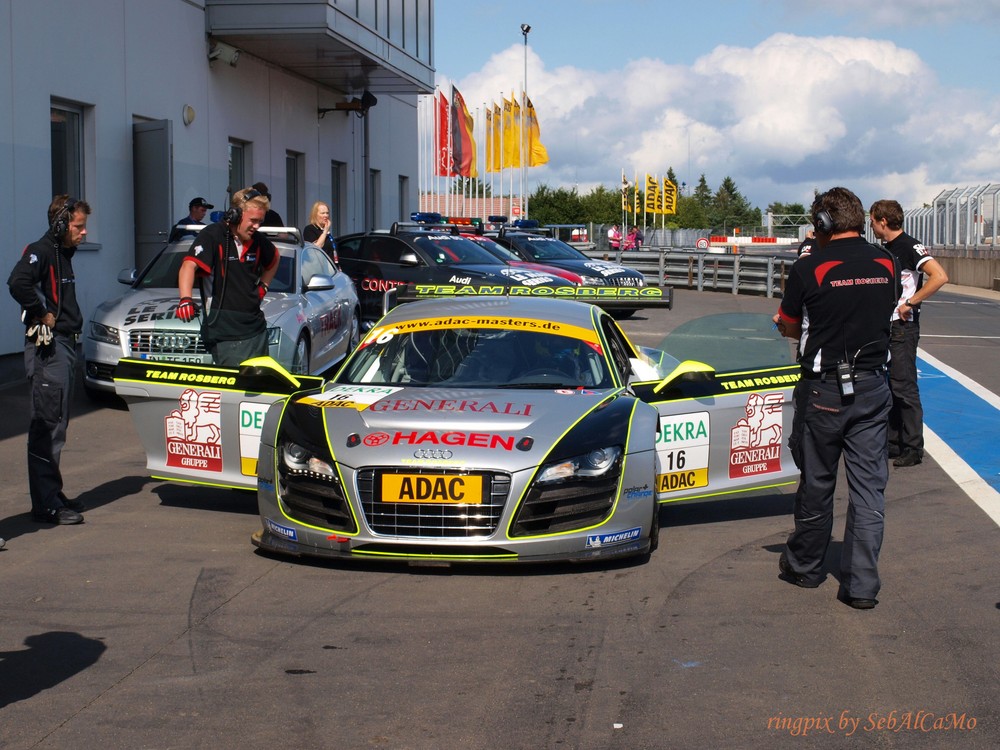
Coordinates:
602	268
464	273
508	429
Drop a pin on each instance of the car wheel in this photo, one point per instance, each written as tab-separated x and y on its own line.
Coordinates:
300	361
355	339
654	528
622	314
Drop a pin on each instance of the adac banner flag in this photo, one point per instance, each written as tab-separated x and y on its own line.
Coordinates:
463	144
669	197
496	143
652	197
625	206
537	153
444	165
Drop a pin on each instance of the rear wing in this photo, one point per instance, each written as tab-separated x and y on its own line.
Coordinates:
608	297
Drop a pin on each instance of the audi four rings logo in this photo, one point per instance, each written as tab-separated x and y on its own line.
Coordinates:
433	453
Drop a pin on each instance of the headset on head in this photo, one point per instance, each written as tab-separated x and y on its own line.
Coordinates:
60	222
823	222
234	214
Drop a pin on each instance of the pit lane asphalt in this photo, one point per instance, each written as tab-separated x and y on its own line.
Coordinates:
155	624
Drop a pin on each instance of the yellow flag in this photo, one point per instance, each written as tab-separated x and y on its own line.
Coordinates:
537	153
512	133
669	197
652	194
496	142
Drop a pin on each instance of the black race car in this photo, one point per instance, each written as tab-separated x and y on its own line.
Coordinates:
414	253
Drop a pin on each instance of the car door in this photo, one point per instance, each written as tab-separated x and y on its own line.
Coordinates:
721	433
327	310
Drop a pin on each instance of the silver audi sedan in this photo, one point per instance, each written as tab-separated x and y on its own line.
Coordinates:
312	312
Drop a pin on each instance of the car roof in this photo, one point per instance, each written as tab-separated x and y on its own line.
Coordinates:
568	312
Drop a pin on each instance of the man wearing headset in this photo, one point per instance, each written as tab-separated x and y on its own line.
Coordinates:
44	285
906	419
837	303
241	263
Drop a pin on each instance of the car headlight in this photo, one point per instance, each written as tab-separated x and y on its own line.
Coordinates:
105	334
273	336
593	281
596	463
300	460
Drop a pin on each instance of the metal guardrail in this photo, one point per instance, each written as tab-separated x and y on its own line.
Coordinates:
737	273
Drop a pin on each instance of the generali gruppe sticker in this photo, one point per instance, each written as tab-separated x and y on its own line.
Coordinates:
194	431
755	445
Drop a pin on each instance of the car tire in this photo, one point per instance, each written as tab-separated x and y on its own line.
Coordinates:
622	314
355	335
654	528
300	358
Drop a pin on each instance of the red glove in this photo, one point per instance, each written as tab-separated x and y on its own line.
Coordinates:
261	290
187	310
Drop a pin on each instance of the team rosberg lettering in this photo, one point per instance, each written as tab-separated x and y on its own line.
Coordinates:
191	377
736	385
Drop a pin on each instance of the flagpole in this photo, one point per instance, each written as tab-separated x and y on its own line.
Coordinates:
525	28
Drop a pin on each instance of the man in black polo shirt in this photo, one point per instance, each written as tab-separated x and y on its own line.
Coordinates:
906	419
241	263
837	303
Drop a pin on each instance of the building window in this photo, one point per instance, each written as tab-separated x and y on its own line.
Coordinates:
338	171
293	189
67	150
404	198
239	156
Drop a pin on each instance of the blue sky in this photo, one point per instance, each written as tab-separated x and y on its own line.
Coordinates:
893	98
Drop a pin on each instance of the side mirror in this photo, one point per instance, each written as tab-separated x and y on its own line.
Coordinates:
127	276
320	282
409	258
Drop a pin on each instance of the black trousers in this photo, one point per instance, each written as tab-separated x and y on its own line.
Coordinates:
906	419
827	427
51	372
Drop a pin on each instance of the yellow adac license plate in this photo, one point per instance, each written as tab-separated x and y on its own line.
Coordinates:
432	488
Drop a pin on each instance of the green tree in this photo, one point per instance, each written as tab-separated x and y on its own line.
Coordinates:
559	206
601	206
730	209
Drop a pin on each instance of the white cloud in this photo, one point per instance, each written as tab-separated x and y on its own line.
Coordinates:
782	118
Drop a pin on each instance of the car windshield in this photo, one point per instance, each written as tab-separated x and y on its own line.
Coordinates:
496	249
457	357
730	341
162	272
447	249
546	248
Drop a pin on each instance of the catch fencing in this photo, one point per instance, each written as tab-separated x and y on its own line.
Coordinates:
737	273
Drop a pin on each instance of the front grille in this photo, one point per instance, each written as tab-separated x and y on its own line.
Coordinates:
316	500
433	520
157	343
565	506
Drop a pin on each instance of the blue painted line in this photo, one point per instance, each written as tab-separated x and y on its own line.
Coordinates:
966	422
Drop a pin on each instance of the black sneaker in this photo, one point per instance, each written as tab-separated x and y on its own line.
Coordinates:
894	451
61	516
855	602
909	457
792	577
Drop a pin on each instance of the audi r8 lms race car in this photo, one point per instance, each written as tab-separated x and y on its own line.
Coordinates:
312	312
504	426
420	253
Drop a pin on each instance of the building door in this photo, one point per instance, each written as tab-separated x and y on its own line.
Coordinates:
152	187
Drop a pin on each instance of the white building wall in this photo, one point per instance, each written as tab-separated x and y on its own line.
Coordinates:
134	60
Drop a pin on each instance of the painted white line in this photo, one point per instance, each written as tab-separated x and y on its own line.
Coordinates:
986	395
977	488
955	336
981	493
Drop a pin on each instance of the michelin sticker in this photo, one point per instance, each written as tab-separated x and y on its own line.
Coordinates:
617	537
682	446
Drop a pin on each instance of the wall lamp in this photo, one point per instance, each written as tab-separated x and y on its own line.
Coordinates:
361	106
222	51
